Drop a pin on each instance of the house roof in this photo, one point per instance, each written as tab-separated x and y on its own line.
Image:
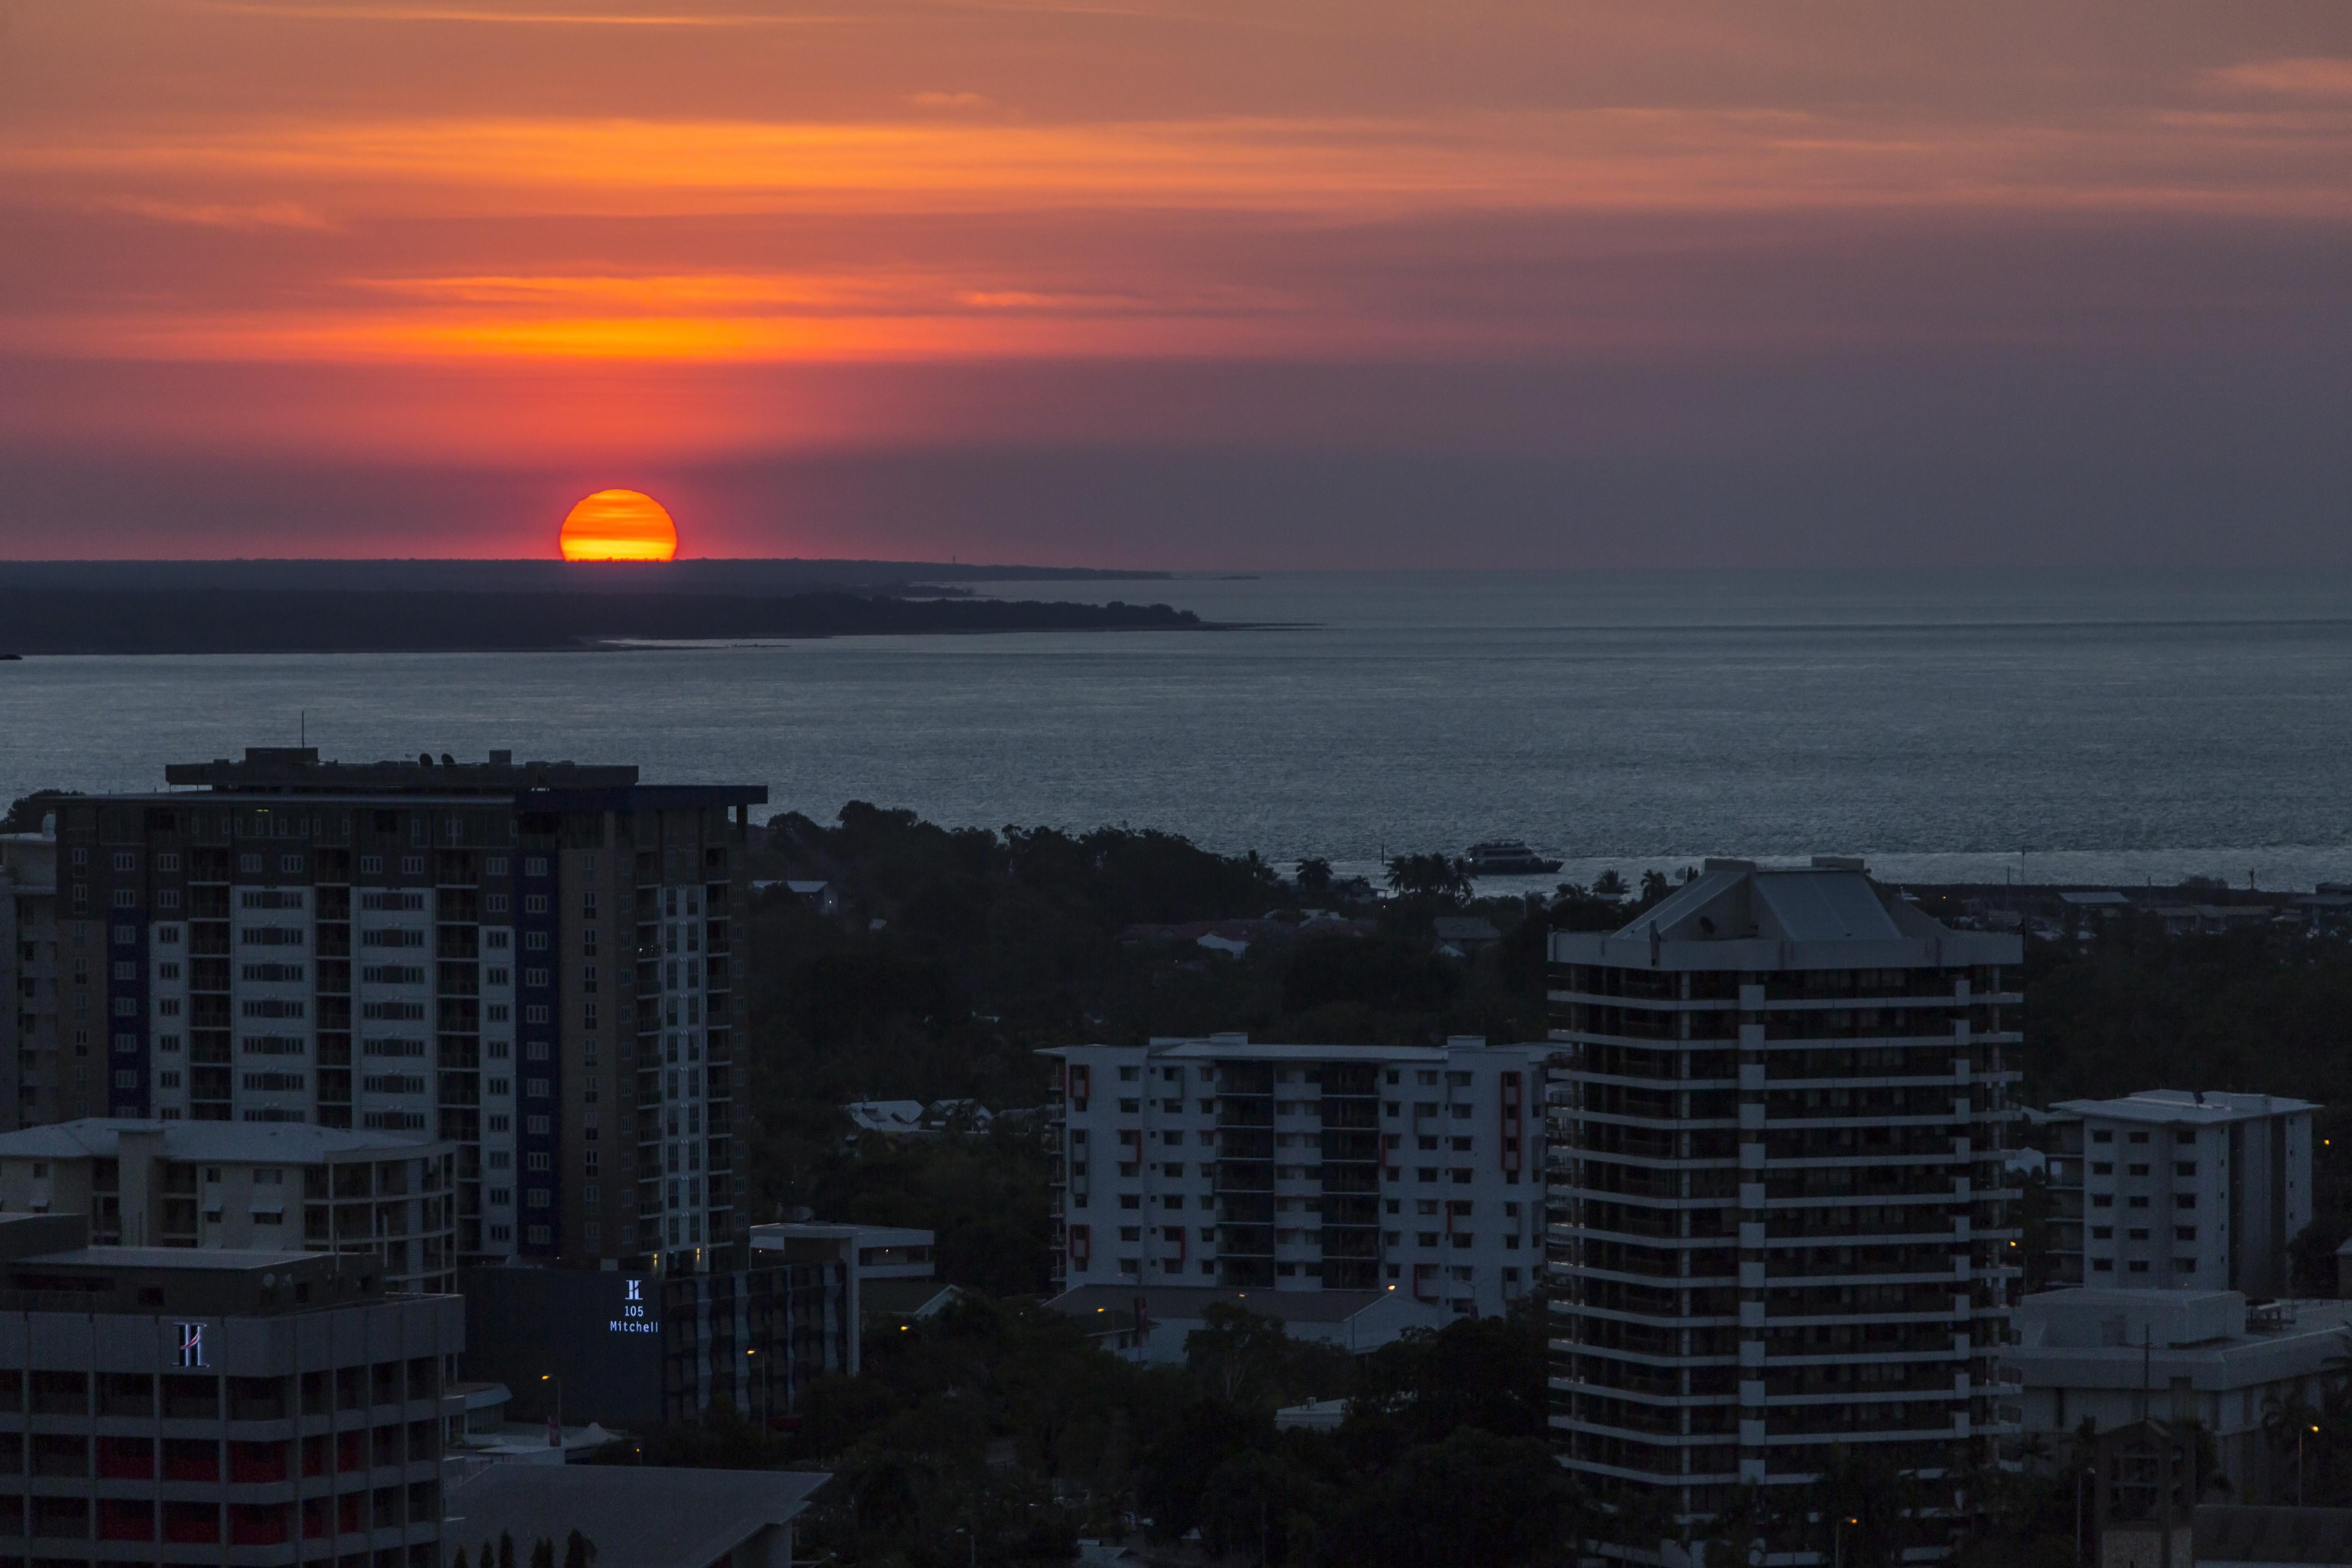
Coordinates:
652	1517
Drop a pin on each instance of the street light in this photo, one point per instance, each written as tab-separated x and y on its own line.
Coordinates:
766	1391
1837	1540
2298	1465
555	1421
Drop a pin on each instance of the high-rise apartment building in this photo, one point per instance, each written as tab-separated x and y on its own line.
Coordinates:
531	961
1778	1221
1223	1162
47	1087
2172	1190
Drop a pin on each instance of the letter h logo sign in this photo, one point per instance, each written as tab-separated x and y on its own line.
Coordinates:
192	1344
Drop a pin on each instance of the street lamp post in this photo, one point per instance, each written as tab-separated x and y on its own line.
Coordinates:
555	1429
1837	1540
2299	1433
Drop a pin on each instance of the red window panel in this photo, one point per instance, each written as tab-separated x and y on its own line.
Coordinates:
257	1461
126	1518
126	1460
197	1522
191	1459
258	1524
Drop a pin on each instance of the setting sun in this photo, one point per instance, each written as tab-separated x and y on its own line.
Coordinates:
619	525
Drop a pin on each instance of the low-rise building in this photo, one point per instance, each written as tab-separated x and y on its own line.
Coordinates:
275	1186
636	1517
215	1405
890	1268
1223	1163
640	1350
50	1084
2171	1190
2115	1357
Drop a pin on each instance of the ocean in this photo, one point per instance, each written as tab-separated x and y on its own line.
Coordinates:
2123	727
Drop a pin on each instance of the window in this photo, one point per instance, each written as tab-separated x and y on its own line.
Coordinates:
2139	1137
535	942
2184	1200
2184	1266
501	1159
1130	1201
534	865
497	939
494	866
371	865
2184	1167
1129	1075
167	862
169	936
412	865
501	1233
2184	1233
535	1162
291	863
2183	1135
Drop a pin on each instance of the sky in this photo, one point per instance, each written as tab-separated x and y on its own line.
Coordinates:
1194	284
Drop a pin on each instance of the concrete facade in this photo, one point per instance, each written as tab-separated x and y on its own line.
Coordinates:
2112	1357
2171	1189
216	1406
1778	1221
274	1186
531	961
1284	1168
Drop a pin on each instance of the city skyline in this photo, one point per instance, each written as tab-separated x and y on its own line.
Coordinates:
1178	284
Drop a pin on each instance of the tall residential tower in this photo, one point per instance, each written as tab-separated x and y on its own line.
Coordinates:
1778	1217
532	961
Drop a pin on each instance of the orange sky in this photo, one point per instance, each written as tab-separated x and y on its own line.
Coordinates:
585	243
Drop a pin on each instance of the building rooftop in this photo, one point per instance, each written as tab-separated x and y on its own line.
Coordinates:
1827	915
638	1517
2113	1338
1241	1047
2169	1106
229	1143
296	770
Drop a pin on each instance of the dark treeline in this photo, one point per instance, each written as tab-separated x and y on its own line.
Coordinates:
126	621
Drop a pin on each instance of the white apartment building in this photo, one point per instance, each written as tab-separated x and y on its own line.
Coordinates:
280	1186
1225	1162
2171	1189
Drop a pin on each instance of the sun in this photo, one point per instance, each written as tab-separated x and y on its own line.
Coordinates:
619	525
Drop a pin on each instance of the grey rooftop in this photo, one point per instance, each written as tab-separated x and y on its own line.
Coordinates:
2169	1106
228	1143
637	1517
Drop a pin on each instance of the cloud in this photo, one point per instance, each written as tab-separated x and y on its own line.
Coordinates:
949	101
2312	76
222	214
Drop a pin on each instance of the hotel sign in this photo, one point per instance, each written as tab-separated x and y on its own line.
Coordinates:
632	1319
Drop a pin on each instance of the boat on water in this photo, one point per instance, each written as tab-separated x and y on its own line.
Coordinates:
1507	858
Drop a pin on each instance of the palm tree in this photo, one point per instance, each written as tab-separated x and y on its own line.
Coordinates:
1430	876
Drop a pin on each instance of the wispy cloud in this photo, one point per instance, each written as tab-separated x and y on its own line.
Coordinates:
295	10
2311	76
221	215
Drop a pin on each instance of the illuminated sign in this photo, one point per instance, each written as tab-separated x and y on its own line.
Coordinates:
633	1319
192	1344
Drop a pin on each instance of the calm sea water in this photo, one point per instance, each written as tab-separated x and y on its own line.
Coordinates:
2088	726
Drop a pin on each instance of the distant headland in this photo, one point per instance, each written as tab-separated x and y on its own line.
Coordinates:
376	606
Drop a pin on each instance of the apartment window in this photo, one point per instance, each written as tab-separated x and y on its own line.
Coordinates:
2184	1200
497	939
2183	1135
501	1124
2184	1168
1427	1141
1425	1174
2184	1233
494	866
2184	1266
534	865
249	863
2103	1137
541	1235
501	1233
371	865
412	865
167	862
291	863
169	936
